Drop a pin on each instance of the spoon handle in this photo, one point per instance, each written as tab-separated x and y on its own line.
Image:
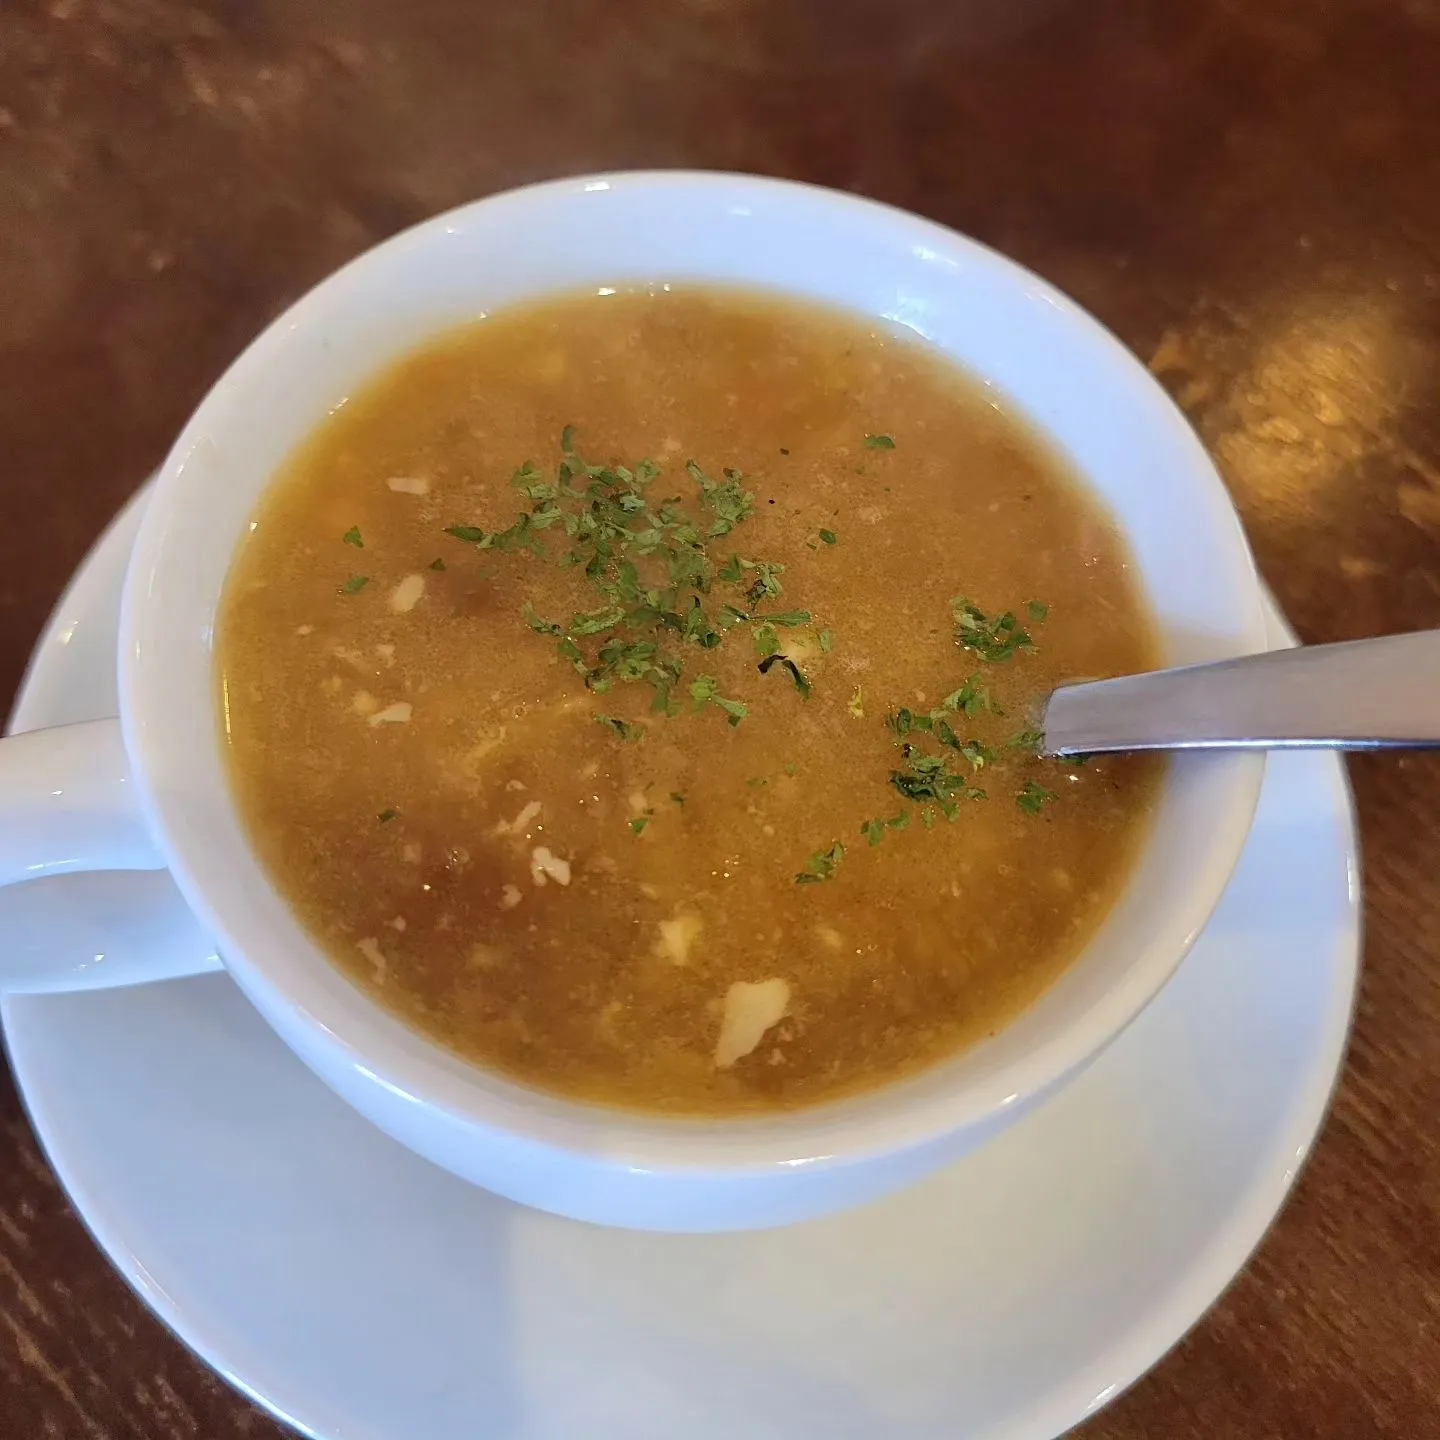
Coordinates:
1359	695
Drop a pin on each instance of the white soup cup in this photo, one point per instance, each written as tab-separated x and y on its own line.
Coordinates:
150	789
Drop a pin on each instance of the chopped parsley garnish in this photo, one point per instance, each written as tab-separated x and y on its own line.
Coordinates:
352	537
727	499
766	585
437	563
928	779
648	558
931	777
1034	797
937	722
354	584
623	728
993	639
656	588
822	865
386	816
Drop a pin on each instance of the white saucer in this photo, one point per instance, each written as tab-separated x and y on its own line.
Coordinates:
360	1293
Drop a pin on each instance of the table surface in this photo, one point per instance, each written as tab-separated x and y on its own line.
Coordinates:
1246	191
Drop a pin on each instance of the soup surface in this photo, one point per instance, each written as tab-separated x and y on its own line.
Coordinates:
703	787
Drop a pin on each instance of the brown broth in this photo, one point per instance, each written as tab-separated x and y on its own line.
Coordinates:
611	980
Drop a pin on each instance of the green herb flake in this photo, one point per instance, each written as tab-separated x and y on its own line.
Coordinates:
879	442
1038	609
735	710
827	642
822	865
790	618
802	681
972	698
437	563
767	641
1034	797
977	754
355	584
637	825
857	703
538	624
352	537
593	622
705	691
874	830
677	797
386	816
471	534
902	722
827	537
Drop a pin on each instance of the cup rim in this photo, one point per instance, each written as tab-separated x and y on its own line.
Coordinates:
884	1120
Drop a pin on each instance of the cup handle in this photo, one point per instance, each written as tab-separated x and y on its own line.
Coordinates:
67	805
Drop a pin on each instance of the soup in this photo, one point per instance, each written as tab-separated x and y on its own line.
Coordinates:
635	692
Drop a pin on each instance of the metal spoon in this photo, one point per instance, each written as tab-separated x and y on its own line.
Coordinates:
1360	695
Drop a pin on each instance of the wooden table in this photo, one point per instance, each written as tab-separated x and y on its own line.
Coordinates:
1247	191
